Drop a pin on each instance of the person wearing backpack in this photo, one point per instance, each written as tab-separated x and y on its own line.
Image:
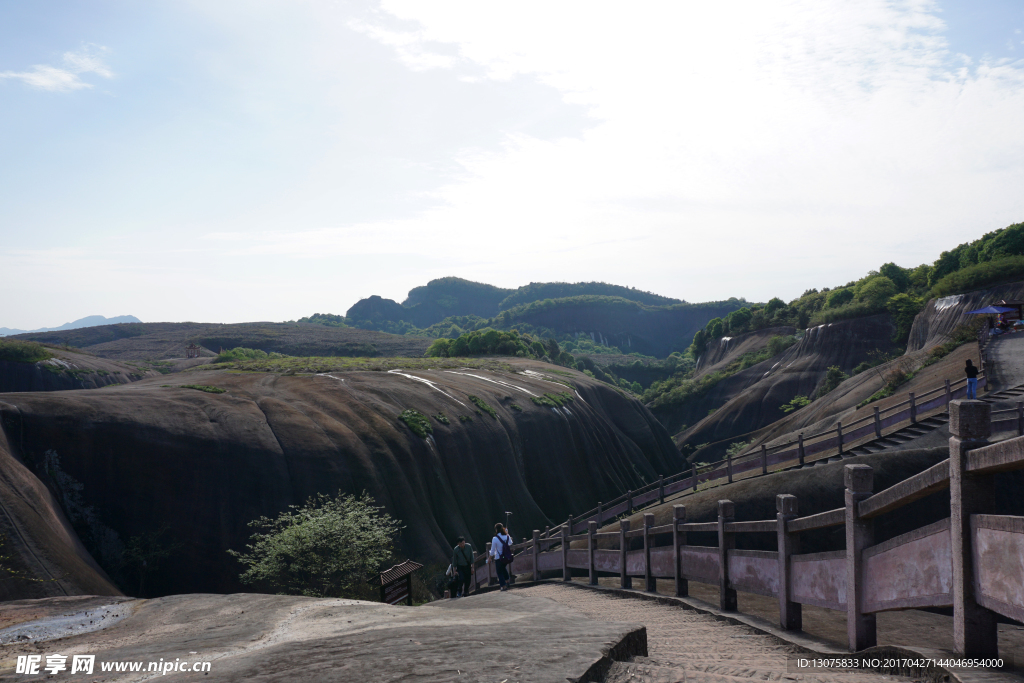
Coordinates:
501	552
462	563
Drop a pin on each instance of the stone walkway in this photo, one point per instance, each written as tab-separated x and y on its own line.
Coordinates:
684	645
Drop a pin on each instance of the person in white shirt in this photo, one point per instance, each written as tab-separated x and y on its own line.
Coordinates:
501	553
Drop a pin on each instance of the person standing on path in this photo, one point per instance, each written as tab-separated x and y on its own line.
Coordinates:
501	553
462	563
972	380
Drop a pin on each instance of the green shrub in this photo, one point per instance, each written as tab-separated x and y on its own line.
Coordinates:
838	297
1006	269
904	308
442	418
834	376
241	353
482	405
327	548
553	400
465	418
515	407
778	344
736	448
203	387
417	422
795	403
19	351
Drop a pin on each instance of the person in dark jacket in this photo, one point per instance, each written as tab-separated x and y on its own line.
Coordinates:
462	566
972	380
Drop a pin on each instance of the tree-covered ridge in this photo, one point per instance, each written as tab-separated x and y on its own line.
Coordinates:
538	291
455	294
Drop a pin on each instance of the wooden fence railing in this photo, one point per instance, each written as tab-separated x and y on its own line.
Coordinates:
970	561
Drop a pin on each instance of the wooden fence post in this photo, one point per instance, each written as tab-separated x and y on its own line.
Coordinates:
839	436
728	466
726	542
1020	418
591	539
536	555
974	627
491	576
878	421
650	582
860	627
913	409
678	541
661	488
693	474
566	572
790	613
800	446
764	459
625	580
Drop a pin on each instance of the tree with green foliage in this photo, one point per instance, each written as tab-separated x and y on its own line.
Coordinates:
19	351
834	376
876	291
738	321
838	297
326	548
904	308
899	276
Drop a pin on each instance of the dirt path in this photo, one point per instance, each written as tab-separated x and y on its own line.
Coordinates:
685	645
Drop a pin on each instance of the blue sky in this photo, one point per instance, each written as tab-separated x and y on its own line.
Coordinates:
263	160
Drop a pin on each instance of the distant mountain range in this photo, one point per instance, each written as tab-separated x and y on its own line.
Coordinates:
88	321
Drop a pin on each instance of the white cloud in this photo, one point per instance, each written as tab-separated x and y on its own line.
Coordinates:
54	79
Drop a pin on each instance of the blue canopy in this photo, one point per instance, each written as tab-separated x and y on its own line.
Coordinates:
991	310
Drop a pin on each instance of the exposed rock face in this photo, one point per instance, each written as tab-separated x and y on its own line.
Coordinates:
941	316
126	461
751	399
68	370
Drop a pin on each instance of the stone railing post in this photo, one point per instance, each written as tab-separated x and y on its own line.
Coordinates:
949	395
566	572
790	613
878	423
839	436
913	409
625	580
974	627
536	555
678	541
650	582
693	474
728	466
629	502
1020	418
726	542
764	459
860	627
492	578
568	523
591	539
661	488
800	446
600	513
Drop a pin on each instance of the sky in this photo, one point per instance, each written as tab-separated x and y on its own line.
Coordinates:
247	160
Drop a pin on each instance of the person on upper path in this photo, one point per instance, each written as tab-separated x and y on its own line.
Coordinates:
501	552
462	562
972	380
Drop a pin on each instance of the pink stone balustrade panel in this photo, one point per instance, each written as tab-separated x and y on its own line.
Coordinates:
895	418
911	570
819	579
859	433
821	446
699	563
607	561
523	562
635	562
1007	425
754	571
579	559
999	563
661	563
549	561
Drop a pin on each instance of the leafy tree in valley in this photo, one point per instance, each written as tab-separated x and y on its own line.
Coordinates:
326	548
904	308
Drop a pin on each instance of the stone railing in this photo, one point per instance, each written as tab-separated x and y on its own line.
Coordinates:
970	561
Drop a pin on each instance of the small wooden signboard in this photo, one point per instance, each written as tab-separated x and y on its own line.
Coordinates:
396	583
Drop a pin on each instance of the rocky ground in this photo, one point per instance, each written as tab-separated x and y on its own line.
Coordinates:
515	638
